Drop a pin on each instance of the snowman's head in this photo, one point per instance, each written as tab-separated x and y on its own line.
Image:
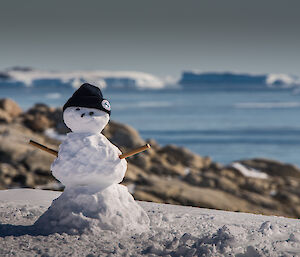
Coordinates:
86	110
83	119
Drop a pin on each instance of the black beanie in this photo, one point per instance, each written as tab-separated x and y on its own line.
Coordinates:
88	96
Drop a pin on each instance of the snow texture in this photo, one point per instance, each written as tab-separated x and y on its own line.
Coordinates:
81	209
88	159
249	172
174	231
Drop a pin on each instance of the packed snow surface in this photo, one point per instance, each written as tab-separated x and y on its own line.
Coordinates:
174	231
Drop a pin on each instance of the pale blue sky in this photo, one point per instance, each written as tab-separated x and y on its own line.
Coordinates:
160	37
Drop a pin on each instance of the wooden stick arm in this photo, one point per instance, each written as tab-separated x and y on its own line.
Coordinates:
122	156
135	151
44	148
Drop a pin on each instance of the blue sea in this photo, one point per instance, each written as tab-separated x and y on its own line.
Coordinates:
223	122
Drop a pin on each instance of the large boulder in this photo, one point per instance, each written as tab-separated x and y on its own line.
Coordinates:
22	165
176	154
10	107
123	135
9	110
5	117
273	168
41	117
37	123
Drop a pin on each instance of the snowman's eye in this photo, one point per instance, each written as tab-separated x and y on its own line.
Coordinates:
77	109
91	113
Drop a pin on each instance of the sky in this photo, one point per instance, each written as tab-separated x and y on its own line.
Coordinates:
162	37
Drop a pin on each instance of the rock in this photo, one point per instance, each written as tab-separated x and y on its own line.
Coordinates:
27	166
273	168
184	156
166	169
134	174
209	179
141	160
10	107
41	117
193	179
176	191
261	186
292	182
230	173
262	201
11	177
286	197
5	117
144	196
39	162
37	123
227	185
216	166
297	211
207	182
123	136
7	173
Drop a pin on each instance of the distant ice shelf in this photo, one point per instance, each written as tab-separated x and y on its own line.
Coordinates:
279	80
102	79
135	80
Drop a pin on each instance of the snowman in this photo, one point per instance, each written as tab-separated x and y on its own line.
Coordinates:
89	166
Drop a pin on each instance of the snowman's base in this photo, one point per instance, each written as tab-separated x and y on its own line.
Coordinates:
83	208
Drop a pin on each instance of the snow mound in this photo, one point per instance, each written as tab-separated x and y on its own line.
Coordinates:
80	209
174	231
101	79
249	172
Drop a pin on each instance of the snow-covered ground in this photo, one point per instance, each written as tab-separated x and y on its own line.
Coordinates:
175	231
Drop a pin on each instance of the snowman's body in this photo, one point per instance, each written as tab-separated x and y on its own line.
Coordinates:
88	159
88	164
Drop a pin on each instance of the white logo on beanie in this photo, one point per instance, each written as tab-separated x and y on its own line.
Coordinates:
106	105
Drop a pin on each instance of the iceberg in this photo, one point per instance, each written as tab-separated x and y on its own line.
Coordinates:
102	79
190	78
282	80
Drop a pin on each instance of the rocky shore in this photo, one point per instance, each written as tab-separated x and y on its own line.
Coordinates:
164	174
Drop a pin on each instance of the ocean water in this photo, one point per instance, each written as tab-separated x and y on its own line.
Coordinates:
223	122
